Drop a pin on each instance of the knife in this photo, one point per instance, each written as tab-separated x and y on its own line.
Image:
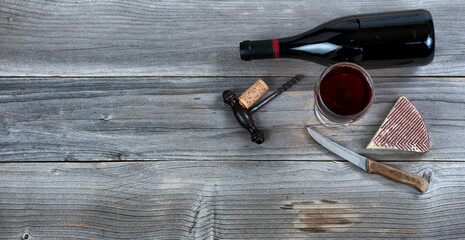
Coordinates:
372	166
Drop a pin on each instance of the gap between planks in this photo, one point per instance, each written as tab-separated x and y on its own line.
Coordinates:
211	76
224	160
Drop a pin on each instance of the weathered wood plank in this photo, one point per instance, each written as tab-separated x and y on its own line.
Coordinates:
224	200
77	119
188	38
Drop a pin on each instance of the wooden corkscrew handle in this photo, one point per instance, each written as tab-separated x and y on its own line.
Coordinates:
243	116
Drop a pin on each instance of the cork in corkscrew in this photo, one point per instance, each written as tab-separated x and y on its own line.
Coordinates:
253	93
243	116
243	107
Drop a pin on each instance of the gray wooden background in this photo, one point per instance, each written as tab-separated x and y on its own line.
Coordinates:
112	126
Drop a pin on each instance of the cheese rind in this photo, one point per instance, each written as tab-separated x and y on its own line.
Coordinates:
403	129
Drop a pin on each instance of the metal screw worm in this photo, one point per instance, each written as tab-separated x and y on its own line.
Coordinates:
278	91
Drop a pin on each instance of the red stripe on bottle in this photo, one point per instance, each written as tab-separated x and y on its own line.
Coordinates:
275	48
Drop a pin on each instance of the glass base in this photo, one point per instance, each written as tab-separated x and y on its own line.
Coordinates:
325	121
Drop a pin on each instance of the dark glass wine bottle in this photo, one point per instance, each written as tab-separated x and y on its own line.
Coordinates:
373	40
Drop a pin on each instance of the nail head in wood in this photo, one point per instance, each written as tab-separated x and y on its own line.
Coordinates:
25	236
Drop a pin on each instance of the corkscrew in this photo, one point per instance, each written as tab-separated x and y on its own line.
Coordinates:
240	106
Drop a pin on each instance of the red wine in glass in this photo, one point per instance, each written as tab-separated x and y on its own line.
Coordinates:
343	94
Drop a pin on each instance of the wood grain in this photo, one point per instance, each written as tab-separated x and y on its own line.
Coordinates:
76	119
224	200
92	92
189	38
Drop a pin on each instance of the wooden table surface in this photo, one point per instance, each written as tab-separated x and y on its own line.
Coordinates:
112	126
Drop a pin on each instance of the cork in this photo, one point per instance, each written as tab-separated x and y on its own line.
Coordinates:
255	92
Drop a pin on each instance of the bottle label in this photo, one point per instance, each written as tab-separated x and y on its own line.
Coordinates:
275	48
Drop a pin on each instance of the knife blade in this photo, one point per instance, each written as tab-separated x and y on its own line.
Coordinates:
371	166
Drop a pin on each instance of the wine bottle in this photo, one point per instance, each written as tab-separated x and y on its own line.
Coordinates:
373	40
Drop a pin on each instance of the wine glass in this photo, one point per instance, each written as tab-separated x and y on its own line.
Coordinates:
343	94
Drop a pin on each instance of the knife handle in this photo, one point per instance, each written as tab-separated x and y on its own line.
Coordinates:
397	175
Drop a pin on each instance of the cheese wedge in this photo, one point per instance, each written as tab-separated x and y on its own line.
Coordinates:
403	129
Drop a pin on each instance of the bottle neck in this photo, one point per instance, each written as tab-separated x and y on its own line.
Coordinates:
259	49
276	48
